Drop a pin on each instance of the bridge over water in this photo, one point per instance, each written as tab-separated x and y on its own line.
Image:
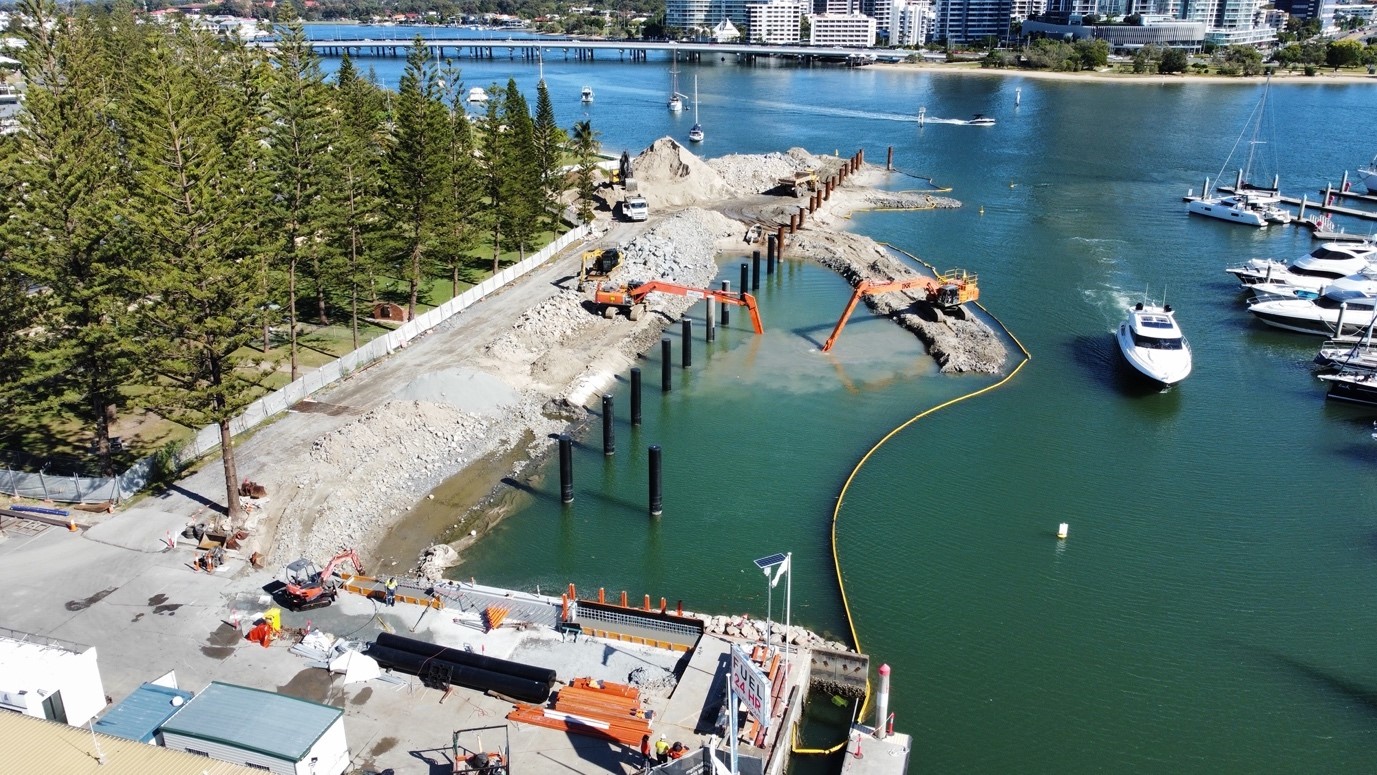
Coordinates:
535	49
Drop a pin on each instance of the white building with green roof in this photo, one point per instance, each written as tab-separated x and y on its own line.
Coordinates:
260	729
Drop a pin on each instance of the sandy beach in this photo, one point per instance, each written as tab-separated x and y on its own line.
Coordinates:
1111	76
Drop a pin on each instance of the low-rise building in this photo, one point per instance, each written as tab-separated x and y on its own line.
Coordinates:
32	746
775	22
260	729
49	678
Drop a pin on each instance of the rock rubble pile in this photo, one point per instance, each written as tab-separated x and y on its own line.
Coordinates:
753	630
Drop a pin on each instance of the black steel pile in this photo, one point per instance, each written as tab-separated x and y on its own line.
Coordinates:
444	665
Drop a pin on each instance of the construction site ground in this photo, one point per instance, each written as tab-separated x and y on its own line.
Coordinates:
149	613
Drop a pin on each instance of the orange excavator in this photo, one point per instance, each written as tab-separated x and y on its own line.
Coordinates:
608	300
947	292
309	587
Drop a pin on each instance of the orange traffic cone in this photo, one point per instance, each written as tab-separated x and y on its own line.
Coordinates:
71	524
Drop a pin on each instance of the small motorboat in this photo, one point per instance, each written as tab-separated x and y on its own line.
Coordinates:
980	120
1153	344
587	94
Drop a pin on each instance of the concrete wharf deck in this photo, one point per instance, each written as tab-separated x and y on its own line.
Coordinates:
866	755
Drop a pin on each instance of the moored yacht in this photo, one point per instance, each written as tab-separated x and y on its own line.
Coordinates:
1153	344
477	95
1368	175
1251	208
1364	281
1337	312
1314	270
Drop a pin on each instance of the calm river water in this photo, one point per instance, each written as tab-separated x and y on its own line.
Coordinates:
1210	610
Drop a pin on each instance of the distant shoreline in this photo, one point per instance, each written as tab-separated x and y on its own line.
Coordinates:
1150	79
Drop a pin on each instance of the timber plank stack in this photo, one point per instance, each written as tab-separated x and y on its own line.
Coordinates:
595	708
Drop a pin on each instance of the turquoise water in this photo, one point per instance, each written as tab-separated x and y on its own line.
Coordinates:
1209	610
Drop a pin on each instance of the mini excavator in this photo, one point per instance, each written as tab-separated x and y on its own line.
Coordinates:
309	587
946	292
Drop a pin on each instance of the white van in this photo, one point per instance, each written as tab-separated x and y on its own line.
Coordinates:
635	208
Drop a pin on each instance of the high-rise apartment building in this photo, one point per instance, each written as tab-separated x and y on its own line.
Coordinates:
968	21
910	22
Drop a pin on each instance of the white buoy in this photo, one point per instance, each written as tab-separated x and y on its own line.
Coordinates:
1061	530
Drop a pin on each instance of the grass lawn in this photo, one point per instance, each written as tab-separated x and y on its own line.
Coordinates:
63	440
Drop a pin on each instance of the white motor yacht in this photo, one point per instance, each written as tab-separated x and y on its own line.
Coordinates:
980	120
1314	270
1368	175
476	94
1153	344
1337	312
587	94
1365	281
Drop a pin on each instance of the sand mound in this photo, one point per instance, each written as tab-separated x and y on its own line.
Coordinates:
670	175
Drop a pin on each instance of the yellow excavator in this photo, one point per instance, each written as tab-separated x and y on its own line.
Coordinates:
598	264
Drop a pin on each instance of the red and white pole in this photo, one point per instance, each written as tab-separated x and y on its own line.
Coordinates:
882	703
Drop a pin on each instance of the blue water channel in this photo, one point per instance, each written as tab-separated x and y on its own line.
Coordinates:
1210	609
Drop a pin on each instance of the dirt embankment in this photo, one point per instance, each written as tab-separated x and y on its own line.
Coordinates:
531	379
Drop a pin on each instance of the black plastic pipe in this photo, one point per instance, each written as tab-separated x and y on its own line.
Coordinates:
425	648
726	315
745	278
566	469
755	270
480	680
656	498
770	255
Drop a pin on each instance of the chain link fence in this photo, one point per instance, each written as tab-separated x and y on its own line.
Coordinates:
65	480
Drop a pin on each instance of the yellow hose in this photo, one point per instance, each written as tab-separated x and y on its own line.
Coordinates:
841	498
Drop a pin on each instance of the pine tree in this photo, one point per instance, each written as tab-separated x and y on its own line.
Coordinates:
521	201
193	143
586	153
301	131
493	154
417	166
465	194
549	142
64	230
353	219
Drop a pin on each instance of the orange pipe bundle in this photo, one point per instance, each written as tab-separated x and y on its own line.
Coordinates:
493	616
607	687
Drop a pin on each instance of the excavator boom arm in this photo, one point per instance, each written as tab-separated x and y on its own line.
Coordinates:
867	288
745	300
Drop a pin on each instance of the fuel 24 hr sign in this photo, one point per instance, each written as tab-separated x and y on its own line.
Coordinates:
750	686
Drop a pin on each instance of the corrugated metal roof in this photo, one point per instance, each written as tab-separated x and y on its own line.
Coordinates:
141	713
37	747
255	720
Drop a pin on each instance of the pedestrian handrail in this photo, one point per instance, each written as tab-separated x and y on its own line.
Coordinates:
113	489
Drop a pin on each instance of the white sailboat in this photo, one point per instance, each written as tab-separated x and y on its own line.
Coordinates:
696	133
676	101
1249	204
